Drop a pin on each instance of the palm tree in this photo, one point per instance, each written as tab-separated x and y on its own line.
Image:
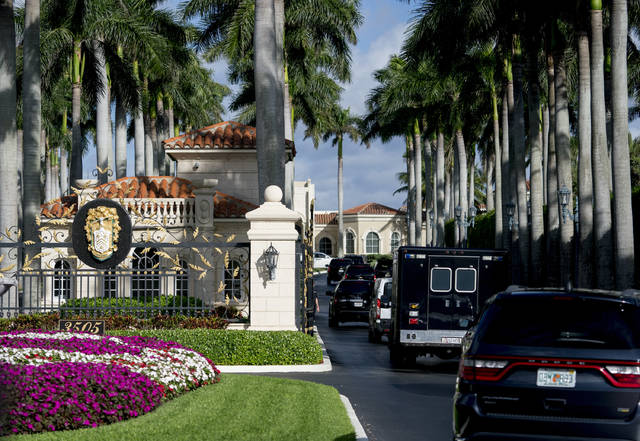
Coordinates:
8	135
269	109
585	181
340	124
624	257
553	216
31	118
602	227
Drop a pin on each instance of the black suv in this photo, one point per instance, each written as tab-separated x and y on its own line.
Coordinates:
551	364
384	268
355	258
335	270
350	302
359	272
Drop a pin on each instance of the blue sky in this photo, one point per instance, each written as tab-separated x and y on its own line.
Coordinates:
369	174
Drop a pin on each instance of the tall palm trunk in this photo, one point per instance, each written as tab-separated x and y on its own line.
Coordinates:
32	196
171	129
149	156
269	99
161	135
462	170
545	150
340	201
153	131
499	221
518	162
139	129
448	196
428	186
55	173
488	176
417	164
441	186
553	219
455	192
411	190
602	228
9	200
504	163
623	220
76	96
536	190
103	128
121	140
563	153
48	177
64	158
472	181
585	181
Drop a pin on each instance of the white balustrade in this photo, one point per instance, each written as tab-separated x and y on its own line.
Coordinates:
165	211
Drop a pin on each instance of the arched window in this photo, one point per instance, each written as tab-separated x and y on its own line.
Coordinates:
145	282
325	246
182	280
232	281
350	244
372	243
62	279
395	241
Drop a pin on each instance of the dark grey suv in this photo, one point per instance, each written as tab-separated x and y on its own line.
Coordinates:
551	365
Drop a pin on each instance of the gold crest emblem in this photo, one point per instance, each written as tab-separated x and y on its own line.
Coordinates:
102	228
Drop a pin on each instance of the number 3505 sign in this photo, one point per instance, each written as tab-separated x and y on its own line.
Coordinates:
91	326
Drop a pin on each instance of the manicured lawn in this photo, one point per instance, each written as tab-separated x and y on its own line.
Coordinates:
240	407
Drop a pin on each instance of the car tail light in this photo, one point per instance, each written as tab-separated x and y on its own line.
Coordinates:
377	308
335	299
480	369
625	376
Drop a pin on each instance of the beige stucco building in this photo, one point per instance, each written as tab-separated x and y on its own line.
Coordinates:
370	228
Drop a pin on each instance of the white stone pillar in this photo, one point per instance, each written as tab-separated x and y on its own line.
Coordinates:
273	302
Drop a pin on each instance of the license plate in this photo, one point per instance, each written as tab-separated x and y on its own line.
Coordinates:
556	378
385	313
451	340
357	304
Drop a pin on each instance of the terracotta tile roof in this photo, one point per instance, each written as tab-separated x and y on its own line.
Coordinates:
372	208
326	218
156	187
224	135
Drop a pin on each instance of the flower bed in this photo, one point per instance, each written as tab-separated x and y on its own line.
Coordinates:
62	380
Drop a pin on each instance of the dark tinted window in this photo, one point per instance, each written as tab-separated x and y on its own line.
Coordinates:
561	321
465	280
386	293
337	263
360	270
440	279
354	288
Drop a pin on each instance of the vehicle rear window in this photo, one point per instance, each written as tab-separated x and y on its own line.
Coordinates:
354	288
340	263
465	280
561	321
360	270
440	279
386	294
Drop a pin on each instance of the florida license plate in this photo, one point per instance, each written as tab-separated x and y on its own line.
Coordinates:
357	304
451	340
556	378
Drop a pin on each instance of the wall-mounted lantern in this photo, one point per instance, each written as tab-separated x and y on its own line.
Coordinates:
271	261
563	199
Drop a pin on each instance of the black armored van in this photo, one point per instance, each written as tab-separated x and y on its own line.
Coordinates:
437	294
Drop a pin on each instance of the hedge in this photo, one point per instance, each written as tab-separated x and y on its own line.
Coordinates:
130	306
230	347
50	322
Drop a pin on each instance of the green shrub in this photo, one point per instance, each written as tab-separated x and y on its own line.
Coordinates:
229	347
130	306
50	321
483	234
373	258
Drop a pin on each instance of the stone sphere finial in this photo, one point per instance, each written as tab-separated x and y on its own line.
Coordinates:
272	194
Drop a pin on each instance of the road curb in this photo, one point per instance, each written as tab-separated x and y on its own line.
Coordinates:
361	435
325	366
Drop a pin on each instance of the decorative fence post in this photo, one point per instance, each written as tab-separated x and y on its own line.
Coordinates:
272	304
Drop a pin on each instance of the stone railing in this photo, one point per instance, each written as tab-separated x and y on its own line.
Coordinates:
166	211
